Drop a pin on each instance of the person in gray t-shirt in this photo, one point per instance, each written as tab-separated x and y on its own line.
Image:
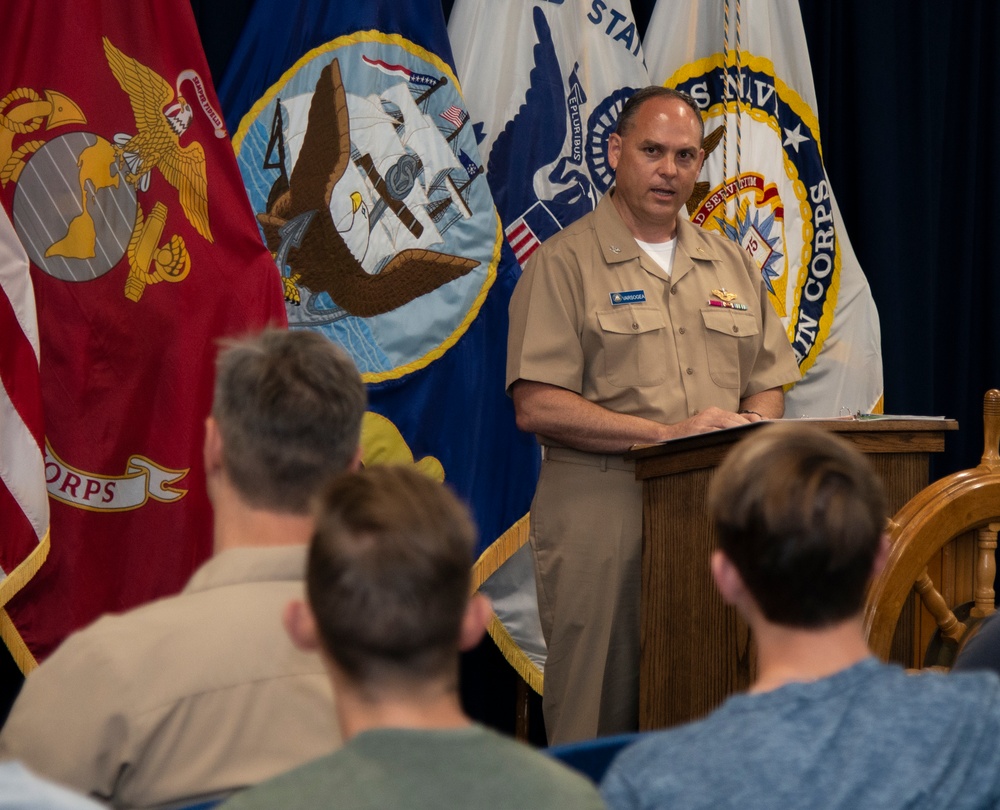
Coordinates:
800	518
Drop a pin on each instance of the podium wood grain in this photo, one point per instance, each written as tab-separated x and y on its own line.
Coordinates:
695	650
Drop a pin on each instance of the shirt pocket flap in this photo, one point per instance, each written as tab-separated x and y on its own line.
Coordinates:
631	321
730	322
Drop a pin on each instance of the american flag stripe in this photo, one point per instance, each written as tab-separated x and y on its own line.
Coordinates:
22	471
19	370
24	507
522	241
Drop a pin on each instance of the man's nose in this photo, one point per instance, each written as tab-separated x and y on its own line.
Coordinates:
667	166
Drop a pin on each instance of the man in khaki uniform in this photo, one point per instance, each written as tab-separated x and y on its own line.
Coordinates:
631	326
194	696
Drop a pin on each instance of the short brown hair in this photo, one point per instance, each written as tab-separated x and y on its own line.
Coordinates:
389	574
800	514
289	406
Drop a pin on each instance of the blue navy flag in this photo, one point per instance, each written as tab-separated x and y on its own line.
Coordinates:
361	165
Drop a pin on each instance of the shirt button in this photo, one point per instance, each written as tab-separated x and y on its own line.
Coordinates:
682	330
673	290
690	371
736	329
635	327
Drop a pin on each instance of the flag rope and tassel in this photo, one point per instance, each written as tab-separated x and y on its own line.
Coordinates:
733	69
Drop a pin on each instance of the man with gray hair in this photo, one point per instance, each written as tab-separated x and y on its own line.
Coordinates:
194	696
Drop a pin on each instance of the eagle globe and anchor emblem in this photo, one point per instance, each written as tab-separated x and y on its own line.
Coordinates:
77	211
76	206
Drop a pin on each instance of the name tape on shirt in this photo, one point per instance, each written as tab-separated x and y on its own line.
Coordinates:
628	297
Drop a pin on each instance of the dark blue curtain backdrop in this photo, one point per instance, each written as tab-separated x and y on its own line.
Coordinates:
908	108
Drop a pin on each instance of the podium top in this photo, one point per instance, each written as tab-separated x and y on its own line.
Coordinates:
878	434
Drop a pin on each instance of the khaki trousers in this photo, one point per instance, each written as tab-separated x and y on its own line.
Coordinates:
586	539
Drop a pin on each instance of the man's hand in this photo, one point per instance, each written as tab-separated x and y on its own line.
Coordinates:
712	419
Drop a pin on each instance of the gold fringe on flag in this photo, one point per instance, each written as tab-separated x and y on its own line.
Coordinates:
11	584
15	644
488	563
500	550
515	655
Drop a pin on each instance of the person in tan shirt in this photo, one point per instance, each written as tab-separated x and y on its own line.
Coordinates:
615	341
197	695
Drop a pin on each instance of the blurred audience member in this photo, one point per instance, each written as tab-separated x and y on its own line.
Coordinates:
389	609
202	693
800	519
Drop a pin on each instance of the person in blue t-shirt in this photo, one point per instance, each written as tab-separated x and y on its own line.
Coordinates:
800	522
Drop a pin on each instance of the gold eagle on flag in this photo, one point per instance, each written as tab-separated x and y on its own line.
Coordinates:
160	121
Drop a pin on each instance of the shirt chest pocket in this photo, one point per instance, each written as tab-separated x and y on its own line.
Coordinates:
731	340
634	353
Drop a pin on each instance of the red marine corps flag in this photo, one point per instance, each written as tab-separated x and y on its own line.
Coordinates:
118	175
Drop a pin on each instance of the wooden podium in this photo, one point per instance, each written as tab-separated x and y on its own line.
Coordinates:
695	650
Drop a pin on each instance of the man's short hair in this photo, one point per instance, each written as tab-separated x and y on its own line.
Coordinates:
389	575
626	118
289	406
800	514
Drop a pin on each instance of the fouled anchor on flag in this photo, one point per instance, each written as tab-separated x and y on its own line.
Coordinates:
171	261
23	111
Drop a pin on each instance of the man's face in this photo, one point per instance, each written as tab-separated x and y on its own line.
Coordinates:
656	163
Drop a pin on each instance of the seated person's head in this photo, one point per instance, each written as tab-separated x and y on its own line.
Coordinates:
389	577
286	416
800	515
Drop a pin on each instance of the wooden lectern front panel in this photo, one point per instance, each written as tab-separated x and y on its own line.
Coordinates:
695	650
687	630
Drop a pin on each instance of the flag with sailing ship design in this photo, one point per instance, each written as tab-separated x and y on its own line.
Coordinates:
361	163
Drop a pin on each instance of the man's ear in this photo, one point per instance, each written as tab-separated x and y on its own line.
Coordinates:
212	450
882	555
614	150
474	622
300	624
728	579
356	464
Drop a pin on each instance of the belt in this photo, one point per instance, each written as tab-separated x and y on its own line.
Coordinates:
567	456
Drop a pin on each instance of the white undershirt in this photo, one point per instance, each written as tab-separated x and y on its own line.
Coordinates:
660	252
